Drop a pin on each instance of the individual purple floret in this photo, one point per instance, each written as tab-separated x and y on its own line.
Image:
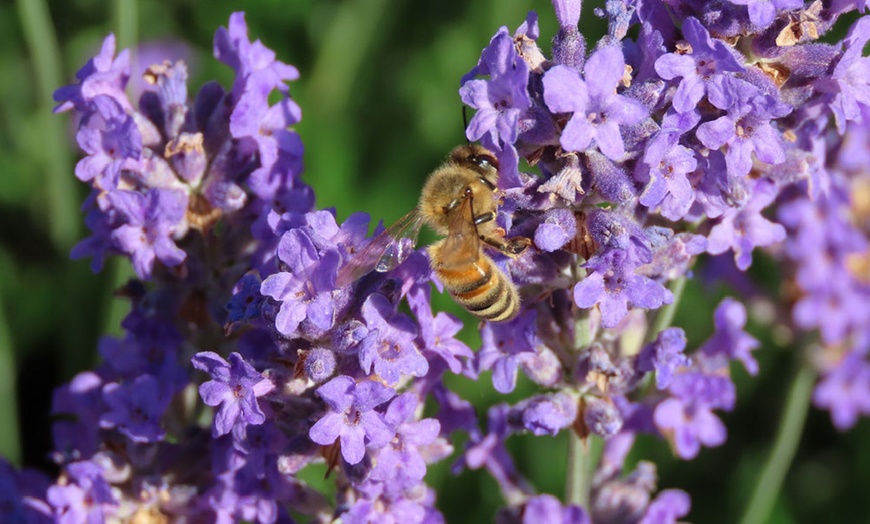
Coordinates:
352	418
745	128
235	387
730	341
598	112
687	417
389	349
669	506
401	461
135	408
744	229
612	285
504	347
306	289
702	68
149	225
845	390
664	356
763	12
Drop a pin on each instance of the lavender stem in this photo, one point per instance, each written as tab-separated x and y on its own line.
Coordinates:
788	436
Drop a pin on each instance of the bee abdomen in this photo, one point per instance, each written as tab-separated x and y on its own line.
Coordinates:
490	296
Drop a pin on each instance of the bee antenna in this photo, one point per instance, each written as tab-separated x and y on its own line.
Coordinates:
465	123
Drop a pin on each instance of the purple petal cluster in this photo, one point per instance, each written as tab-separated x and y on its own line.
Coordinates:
651	150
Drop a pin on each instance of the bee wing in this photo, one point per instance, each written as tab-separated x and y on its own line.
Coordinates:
462	244
385	251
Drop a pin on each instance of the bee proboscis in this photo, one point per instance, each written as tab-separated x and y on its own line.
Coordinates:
458	201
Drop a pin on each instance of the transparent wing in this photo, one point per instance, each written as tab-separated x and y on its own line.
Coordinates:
462	244
386	251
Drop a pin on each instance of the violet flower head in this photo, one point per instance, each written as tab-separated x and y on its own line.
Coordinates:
598	111
150	224
850	82
730	340
687	417
744	229
504	346
547	508
669	165
401	461
104	74
547	414
111	141
664	356
763	12
669	506
746	128
235	387
351	417
702	71
845	391
389	349
135	408
613	284
305	290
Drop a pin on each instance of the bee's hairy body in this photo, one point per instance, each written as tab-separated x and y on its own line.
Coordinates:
480	287
458	200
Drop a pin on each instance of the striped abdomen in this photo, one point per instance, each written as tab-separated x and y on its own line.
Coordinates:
480	287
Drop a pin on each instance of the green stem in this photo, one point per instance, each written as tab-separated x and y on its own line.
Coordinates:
125	15
61	207
784	448
582	458
10	437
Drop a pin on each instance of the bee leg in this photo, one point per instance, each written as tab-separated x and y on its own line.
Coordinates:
482	219
511	247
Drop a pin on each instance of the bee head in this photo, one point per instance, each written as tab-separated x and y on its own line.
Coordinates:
479	159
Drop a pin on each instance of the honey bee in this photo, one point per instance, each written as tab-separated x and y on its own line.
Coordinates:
458	201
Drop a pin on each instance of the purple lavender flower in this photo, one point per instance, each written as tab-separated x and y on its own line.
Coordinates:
235	387
306	289
687	417
744	229
729	340
763	12
547	414
151	220
547	508
703	69
111	140
850	81
613	284
104	74
401	460
87	497
504	346
351	417
668	506
664	356
389	347
668	165
438	332
598	112
499	100
135	408
746	128
845	391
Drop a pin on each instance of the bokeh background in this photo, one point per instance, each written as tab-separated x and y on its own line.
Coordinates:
379	93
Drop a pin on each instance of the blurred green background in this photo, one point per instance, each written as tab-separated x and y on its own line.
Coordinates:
378	89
